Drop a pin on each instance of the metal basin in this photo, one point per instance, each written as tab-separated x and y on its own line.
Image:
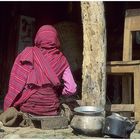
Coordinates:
88	120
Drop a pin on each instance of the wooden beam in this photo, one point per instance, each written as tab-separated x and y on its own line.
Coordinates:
120	108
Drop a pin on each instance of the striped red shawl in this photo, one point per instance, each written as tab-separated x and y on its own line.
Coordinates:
35	66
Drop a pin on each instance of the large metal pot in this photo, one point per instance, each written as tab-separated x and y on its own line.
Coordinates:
88	120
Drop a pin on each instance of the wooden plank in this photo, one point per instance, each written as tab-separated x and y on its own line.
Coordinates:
127	63
120	108
137	96
127	41
120	69
132	12
134	23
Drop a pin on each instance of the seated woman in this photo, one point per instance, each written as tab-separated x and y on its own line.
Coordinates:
37	74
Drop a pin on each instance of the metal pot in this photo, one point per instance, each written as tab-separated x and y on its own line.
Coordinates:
88	120
117	126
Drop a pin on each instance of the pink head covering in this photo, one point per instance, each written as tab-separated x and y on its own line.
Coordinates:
47	37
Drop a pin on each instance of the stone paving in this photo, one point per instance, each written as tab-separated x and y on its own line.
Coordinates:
35	133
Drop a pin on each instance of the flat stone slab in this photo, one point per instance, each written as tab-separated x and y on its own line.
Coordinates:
49	122
35	133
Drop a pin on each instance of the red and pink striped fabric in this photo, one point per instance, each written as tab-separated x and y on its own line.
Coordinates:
35	68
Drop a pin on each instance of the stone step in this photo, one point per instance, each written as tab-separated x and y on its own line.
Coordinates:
49	122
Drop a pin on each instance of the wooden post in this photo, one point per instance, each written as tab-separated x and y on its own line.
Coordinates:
94	53
137	96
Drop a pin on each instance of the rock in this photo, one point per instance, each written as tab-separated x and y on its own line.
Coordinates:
50	122
12	136
135	135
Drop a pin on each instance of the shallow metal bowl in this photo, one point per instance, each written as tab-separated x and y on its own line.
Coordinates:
88	110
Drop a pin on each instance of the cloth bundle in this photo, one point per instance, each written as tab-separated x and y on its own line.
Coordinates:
13	118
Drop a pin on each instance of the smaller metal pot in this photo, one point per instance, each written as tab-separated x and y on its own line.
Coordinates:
117	126
88	120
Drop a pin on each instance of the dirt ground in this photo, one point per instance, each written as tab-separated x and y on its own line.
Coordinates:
35	133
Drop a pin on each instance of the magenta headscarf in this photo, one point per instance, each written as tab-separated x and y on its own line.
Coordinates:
47	37
47	40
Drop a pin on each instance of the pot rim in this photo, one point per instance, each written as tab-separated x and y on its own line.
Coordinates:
88	110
